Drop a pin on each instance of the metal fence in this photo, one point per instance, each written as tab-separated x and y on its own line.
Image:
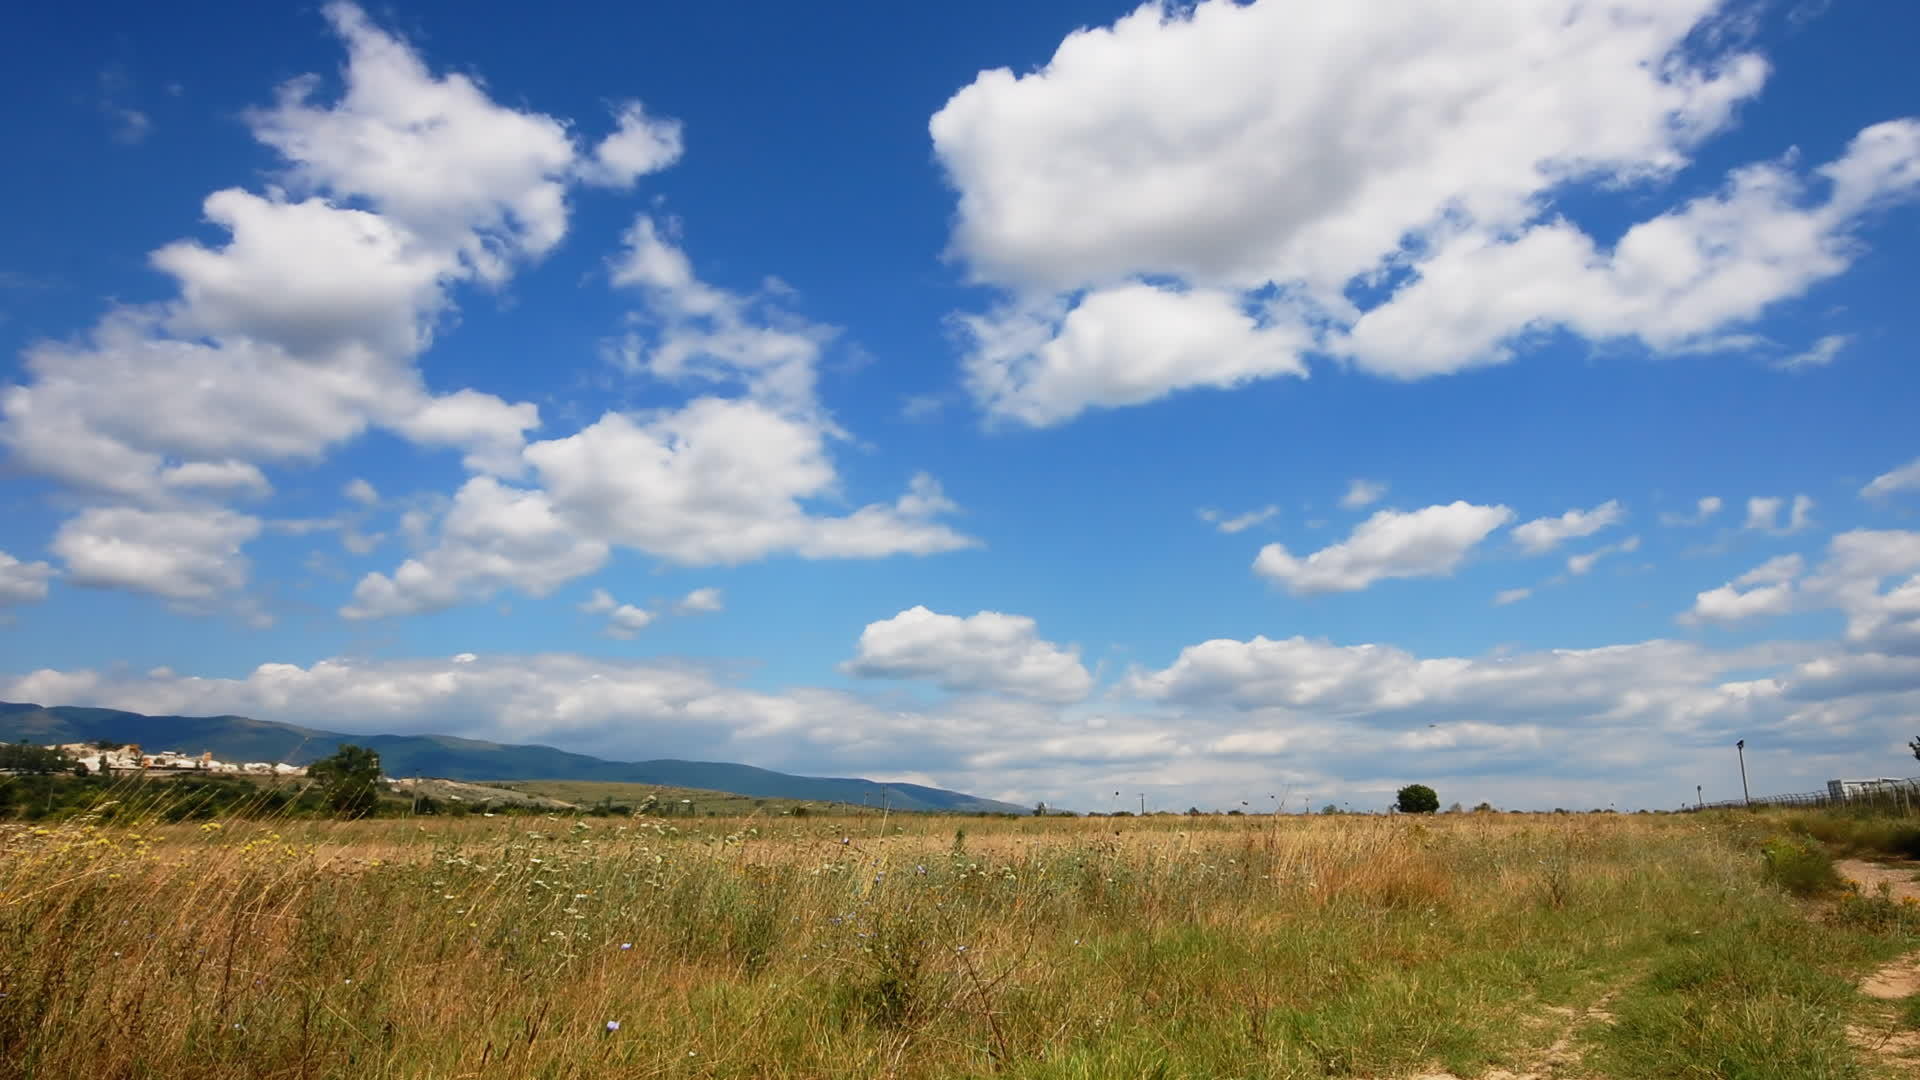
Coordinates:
1902	796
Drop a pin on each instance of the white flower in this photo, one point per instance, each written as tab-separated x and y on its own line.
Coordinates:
613	1025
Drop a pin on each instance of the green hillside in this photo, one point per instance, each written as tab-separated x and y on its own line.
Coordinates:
241	738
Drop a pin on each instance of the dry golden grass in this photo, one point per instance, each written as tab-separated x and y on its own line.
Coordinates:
903	946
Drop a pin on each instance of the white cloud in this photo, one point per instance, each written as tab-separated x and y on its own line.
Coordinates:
1849	580
1767	589
434	154
1225	721
705	334
1674	282
624	621
22	582
488	428
1706	508
988	651
920	407
131	125
1763	514
1544	534
1237	523
724	481
1390	544
1362	493
1374	681
1122	346
1904	478
1076	184
640	144
718	480
1775	571
107	415
363	281
493	536
299	331
361	491
1086	169
1819	355
188	556
1511	596
235	479
1580	564
703	601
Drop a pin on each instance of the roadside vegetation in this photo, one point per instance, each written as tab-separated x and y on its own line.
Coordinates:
921	946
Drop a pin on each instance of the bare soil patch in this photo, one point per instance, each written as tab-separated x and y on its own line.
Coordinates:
1897	876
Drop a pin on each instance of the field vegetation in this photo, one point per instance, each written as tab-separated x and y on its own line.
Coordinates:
765	945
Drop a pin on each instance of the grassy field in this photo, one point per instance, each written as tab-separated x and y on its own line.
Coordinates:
676	801
767	946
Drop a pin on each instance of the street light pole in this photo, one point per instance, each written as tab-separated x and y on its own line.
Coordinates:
1741	748
1699	800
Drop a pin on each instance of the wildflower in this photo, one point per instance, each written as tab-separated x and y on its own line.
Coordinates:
613	1025
625	945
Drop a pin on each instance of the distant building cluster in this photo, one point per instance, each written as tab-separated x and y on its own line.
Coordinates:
130	758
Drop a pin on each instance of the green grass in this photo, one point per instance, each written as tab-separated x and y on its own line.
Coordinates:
768	946
1876	832
671	801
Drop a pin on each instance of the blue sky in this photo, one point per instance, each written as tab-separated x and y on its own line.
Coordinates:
1039	400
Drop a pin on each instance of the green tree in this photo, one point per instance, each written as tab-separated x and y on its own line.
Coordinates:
350	779
34	760
1417	799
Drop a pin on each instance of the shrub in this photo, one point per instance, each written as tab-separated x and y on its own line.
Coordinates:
1878	913
1799	866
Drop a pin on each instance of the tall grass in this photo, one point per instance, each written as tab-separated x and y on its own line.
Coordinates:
774	947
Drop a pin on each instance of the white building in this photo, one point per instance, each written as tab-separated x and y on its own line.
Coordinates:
1853	789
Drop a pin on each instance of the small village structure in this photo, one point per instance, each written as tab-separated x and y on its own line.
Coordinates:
130	758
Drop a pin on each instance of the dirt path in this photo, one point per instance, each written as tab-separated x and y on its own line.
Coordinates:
1562	1059
1886	1040
1898	877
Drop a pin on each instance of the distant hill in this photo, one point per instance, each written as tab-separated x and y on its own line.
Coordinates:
241	738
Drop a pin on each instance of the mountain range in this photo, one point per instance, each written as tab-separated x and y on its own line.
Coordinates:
242	738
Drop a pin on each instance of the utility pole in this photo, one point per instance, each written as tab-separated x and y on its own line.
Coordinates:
1741	748
1699	800
1143	804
